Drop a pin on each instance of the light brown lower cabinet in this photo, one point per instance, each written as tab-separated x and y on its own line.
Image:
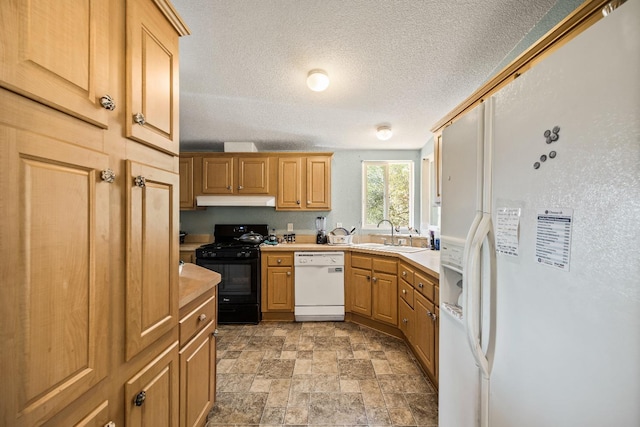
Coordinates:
374	288
198	321
197	378
277	286
426	333
151	395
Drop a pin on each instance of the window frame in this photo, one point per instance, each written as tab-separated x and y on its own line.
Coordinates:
363	203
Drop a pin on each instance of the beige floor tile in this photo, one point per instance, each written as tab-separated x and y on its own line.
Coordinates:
349	386
296	416
303	366
260	386
381	367
289	355
224	365
401	417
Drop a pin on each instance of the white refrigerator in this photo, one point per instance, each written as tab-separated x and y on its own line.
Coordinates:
540	277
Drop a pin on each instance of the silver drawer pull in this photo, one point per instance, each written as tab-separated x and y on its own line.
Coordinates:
202	317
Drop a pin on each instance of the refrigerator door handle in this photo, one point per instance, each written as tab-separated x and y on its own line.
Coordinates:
472	293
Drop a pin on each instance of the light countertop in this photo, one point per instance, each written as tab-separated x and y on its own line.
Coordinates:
195	281
426	259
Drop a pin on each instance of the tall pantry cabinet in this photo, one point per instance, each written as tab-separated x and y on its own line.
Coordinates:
89	201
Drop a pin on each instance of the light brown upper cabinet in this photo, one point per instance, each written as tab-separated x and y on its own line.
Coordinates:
152	104
61	54
187	199
234	174
304	182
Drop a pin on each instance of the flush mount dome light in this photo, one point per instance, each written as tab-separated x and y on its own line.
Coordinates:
384	132
317	80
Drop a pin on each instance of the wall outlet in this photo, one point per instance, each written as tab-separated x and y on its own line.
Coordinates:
290	226
338	224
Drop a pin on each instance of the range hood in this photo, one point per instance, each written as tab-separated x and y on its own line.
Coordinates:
236	201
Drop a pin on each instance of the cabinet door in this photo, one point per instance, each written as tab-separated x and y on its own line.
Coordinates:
151	396
217	175
187	201
152	77
289	183
57	52
279	289
319	183
253	175
385	298
425	332
361	291
55	274
197	378
152	255
406	320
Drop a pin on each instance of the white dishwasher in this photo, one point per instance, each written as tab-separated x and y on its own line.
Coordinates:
319	286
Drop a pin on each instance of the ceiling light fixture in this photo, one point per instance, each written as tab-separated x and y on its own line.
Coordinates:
317	80
384	132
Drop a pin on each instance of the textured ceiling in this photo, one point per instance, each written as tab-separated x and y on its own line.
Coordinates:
403	63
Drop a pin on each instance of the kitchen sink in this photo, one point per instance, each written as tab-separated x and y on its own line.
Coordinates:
388	248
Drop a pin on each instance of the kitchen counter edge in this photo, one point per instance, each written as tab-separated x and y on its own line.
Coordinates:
195	281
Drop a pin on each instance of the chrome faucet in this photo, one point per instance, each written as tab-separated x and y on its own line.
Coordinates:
393	242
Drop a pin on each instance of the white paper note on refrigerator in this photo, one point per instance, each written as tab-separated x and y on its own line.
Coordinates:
507	227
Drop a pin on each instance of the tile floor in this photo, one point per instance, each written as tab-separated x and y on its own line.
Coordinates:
318	374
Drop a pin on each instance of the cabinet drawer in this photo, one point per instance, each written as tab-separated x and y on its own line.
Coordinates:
405	272
196	320
424	284
363	262
385	266
405	292
280	260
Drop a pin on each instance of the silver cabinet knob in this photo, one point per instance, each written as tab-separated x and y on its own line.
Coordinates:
140	181
140	398
404	273
202	317
288	273
308	202
279	260
228	187
139	119
297	202
375	279
108	175
108	103
420	285
215	332
240	187
404	291
368	277
405	320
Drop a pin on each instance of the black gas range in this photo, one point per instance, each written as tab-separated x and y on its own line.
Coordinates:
238	263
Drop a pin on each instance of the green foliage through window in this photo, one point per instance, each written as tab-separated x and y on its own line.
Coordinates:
388	189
